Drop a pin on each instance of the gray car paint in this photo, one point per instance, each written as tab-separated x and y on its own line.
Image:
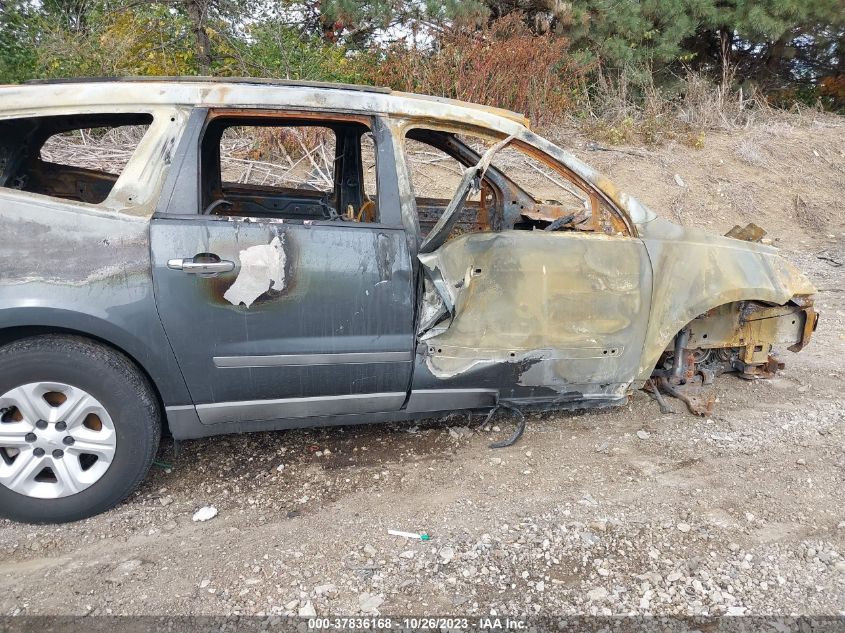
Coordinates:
344	317
85	269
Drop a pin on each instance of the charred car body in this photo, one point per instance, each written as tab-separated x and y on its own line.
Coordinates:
173	295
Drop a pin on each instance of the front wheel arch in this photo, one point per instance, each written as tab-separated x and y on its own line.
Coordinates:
727	314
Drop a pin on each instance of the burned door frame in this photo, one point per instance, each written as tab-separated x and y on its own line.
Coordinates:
509	377
315	375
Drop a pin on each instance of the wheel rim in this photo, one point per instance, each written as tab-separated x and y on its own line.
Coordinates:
55	440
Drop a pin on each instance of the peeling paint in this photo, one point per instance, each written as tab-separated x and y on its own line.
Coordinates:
262	269
570	308
384	257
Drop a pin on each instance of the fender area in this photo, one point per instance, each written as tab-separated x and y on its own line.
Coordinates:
696	273
739	336
753	326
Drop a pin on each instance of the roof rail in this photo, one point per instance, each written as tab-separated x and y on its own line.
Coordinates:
201	79
260	81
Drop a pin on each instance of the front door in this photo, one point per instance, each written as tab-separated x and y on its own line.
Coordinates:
286	291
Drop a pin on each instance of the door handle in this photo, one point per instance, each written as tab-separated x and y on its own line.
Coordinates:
204	265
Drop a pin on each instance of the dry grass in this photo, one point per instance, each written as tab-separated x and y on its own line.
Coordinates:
279	157
100	149
502	64
617	112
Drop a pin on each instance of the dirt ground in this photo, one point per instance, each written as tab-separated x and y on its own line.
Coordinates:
619	511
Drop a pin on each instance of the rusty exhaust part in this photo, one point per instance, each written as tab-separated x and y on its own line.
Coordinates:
697	403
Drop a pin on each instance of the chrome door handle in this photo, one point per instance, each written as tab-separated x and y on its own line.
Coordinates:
202	268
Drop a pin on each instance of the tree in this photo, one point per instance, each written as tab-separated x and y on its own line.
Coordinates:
18	58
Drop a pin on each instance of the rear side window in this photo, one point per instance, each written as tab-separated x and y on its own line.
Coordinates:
78	157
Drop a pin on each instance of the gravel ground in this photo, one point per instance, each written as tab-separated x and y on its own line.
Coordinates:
607	512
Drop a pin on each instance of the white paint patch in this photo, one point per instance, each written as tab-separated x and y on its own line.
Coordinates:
262	269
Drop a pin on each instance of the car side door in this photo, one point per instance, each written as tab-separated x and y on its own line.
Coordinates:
541	290
285	300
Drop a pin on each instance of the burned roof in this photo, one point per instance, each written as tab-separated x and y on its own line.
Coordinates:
237	91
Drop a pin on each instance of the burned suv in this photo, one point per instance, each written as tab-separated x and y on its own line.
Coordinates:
200	257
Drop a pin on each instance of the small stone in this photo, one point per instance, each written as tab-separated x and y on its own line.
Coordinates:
408	553
734	547
446	555
204	583
307	610
495	461
166	501
679	181
368	602
801	462
328	589
683	527
643	435
252	581
675	576
540	586
369	550
597	594
205	513
588	500
169	526
280	467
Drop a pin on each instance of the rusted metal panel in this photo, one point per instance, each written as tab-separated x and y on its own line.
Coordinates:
567	310
749	233
696	272
752	328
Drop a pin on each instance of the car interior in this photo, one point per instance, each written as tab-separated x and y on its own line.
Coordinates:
503	202
34	154
291	169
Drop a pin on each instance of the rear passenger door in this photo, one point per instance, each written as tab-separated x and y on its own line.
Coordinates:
282	272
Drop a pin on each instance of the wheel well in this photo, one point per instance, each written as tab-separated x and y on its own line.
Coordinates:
730	326
11	334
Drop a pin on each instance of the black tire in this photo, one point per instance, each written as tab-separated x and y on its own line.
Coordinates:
125	393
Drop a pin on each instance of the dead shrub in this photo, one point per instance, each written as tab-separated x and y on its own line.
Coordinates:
621	112
501	64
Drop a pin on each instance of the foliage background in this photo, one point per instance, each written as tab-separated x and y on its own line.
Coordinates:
610	61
